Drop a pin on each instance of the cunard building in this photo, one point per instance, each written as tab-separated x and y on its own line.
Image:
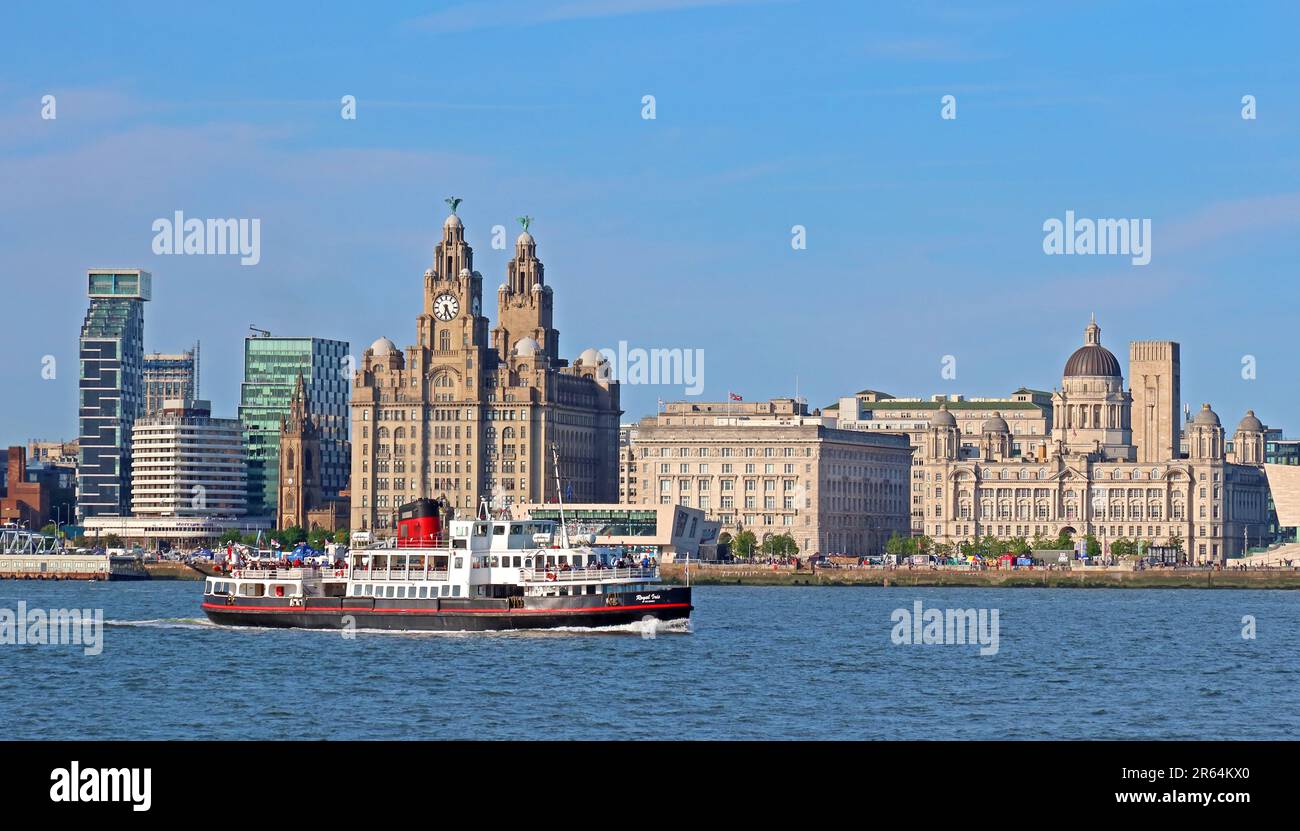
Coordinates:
471	411
1112	468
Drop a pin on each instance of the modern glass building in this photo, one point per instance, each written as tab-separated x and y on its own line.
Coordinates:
112	397
271	369
170	377
1279	451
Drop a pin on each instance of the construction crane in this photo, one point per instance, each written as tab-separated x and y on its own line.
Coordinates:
261	332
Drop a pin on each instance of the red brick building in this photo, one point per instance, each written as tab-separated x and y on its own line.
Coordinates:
23	501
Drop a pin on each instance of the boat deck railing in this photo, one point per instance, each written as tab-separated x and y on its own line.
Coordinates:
381	574
586	575
293	573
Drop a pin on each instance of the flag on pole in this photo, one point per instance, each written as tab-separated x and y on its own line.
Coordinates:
733	397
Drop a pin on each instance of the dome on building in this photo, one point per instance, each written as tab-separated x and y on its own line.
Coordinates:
527	347
428	272
537	286
1092	359
1250	424
452	221
1206	416
590	357
943	418
996	424
383	346
524	239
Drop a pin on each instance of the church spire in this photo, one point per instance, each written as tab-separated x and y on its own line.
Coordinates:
300	404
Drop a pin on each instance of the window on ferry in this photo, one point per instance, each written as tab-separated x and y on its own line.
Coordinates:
445	589
517	562
528	562
516	529
424	592
357	589
460	562
495	561
401	591
455	591
500	529
390	591
480	529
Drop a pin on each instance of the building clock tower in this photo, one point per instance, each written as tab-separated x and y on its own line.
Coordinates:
466	413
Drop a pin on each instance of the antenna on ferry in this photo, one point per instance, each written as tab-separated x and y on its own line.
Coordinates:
559	492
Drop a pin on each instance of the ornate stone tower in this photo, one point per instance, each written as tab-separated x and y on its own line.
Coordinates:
525	303
469	417
1248	441
1205	436
1091	410
995	439
943	442
300	488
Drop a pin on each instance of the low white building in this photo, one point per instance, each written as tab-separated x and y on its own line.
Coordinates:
185	463
183	532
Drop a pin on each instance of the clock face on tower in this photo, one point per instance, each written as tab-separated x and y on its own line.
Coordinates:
446	306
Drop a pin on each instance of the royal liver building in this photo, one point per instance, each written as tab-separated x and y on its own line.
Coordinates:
1113	468
466	413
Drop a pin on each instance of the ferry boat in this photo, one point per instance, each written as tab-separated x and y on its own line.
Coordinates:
478	574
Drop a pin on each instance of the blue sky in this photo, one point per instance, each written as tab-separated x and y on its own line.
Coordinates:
924	236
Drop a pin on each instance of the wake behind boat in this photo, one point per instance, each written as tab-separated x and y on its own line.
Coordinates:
479	574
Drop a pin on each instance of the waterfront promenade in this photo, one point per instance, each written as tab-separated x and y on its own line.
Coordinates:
1082	578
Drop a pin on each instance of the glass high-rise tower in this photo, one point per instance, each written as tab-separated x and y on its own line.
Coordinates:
271	369
112	397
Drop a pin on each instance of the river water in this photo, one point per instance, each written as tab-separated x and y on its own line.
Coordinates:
758	662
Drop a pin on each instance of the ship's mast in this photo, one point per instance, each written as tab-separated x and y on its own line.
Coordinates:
559	493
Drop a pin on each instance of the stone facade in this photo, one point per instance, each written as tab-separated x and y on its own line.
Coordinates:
1028	413
627	478
1091	481
1154	376
466	413
772	468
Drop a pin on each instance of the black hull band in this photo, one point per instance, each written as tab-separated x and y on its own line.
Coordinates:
673	603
